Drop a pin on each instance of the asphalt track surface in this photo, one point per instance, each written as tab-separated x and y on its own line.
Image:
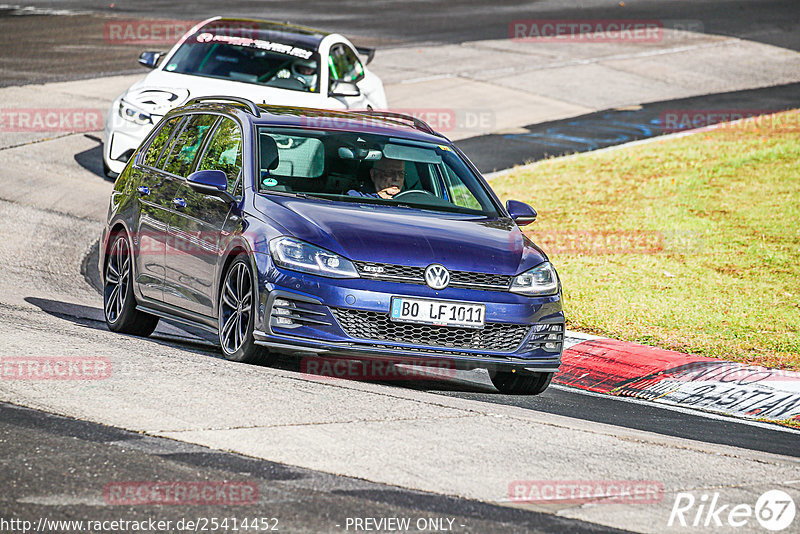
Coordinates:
59	48
613	127
84	457
627	413
79	446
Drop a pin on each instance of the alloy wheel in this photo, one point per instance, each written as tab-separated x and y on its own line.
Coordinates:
236	307
118	270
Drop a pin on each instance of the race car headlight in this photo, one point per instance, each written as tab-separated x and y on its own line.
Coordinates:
540	281
133	114
297	255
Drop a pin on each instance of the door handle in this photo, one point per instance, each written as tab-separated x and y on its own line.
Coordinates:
143	190
179	203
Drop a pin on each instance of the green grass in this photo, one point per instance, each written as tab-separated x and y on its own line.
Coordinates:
702	240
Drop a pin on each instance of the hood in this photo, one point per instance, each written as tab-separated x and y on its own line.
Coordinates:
403	236
160	91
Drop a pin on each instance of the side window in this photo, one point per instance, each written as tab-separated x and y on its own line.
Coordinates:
344	64
185	148
159	141
459	193
224	152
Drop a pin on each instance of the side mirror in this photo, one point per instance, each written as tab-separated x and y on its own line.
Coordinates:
210	182
150	59
341	88
520	212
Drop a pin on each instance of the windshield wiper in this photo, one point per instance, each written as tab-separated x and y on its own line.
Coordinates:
284	193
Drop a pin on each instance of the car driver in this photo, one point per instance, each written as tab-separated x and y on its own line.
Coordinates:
305	71
388	177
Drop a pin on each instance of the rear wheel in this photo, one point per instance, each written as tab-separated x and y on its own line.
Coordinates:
237	311
119	302
520	382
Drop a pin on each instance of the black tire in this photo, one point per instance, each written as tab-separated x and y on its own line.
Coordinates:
237	307
119	302
108	172
520	382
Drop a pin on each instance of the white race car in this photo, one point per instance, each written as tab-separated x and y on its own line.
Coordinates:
263	61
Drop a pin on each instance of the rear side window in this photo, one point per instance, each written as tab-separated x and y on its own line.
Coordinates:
344	64
160	141
224	152
298	156
188	143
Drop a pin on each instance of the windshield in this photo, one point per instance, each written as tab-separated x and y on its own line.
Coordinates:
367	168
247	60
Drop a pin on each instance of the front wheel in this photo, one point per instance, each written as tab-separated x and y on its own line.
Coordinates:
520	382
119	302
237	311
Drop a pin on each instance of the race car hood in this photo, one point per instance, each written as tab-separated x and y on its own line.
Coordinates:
406	236
160	91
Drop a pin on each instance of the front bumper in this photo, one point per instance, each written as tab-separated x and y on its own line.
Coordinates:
312	317
122	138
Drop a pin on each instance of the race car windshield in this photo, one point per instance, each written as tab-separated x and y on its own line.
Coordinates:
247	60
369	169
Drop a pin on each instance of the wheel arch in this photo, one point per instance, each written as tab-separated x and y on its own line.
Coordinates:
114	228
235	249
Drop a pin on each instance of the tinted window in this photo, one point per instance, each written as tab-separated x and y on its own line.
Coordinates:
358	167
242	59
188	142
159	141
224	152
344	64
300	156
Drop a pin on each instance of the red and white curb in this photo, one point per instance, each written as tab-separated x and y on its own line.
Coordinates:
624	369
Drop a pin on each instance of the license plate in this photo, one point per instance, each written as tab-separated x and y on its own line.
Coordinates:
438	312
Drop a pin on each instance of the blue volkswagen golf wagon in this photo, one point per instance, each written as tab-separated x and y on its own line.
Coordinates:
318	233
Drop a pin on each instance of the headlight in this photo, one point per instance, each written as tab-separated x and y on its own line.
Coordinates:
540	281
297	255
130	113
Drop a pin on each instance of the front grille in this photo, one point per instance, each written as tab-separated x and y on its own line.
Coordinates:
375	326
416	275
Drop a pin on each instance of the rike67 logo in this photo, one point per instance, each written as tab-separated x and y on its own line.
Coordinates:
774	510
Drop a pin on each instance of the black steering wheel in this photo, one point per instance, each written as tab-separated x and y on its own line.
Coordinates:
410	191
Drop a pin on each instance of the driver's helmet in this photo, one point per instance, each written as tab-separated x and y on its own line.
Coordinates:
305	70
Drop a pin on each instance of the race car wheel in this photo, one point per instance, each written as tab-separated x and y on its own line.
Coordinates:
520	382
119	302
237	312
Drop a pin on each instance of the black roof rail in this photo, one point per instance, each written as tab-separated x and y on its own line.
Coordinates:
251	106
419	124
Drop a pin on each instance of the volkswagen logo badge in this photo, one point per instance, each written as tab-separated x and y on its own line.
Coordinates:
437	276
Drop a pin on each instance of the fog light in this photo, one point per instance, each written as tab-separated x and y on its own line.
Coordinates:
281	312
279	307
551	338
